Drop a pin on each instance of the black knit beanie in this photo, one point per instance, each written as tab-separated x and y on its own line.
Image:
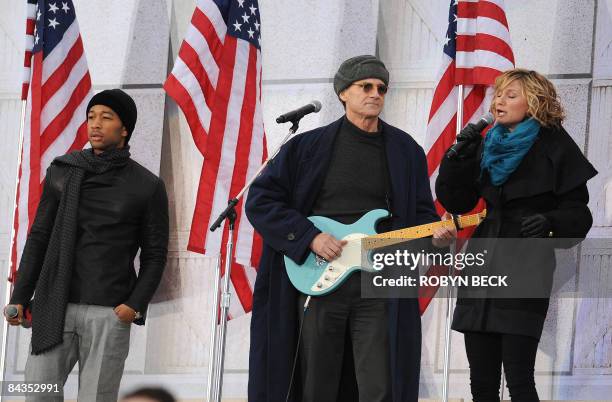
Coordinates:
121	103
359	68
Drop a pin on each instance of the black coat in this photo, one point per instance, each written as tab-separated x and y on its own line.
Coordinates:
278	203
120	211
550	180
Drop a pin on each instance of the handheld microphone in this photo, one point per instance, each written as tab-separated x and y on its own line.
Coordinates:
297	114
11	311
484	121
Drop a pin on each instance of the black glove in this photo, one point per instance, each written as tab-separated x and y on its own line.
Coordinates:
536	226
470	138
469	133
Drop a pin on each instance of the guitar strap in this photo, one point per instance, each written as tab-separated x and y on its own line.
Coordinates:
456	222
387	176
385	225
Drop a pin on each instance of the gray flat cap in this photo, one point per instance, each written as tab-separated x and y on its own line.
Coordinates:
359	68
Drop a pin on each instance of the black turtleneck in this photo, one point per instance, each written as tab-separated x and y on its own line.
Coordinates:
357	179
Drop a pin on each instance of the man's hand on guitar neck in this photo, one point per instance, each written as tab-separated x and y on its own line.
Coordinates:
443	236
327	246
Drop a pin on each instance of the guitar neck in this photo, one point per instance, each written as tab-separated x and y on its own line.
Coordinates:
418	232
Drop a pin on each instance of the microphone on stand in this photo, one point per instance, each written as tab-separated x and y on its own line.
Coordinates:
297	114
464	137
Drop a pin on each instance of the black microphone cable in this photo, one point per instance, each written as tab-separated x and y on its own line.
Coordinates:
297	348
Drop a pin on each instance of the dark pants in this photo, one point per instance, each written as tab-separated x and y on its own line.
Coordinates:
486	352
331	323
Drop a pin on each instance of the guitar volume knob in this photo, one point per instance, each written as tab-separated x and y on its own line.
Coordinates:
319	285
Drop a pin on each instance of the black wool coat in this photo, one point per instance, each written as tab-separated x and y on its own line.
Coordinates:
550	180
277	205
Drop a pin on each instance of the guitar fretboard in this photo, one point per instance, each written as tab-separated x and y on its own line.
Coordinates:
418	232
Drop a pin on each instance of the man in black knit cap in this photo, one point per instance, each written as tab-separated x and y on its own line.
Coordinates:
352	348
97	209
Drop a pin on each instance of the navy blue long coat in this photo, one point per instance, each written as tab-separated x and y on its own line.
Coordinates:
277	205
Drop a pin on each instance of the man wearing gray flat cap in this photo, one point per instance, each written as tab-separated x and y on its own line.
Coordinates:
351	348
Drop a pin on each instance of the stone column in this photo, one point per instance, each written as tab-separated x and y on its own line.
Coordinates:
593	351
126	45
12	40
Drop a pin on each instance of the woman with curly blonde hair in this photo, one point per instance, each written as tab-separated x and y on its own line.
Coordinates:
538	92
532	176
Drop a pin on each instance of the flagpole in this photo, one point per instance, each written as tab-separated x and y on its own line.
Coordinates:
449	290
8	290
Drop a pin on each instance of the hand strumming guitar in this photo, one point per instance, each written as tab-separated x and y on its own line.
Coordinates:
327	246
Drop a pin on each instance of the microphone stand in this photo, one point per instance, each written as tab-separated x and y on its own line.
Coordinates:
222	300
449	292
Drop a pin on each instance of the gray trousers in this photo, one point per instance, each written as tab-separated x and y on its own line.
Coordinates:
96	338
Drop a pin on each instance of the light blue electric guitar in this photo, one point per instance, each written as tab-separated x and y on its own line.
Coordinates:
318	277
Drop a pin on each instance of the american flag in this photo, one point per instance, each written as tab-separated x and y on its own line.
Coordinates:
216	81
56	87
477	49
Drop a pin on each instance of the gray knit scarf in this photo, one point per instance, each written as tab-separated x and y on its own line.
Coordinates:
53	287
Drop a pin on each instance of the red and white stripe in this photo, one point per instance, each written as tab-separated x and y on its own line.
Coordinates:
194	77
29	44
58	90
221	75
483	52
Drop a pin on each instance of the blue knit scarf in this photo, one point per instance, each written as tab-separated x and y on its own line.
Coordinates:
504	150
